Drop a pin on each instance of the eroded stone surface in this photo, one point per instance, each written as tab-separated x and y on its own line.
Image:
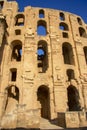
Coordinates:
43	74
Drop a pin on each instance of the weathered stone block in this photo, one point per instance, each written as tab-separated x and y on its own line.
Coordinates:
72	120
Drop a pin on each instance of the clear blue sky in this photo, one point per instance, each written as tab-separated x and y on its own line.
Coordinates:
78	7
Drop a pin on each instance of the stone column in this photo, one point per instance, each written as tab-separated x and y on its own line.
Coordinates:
1	104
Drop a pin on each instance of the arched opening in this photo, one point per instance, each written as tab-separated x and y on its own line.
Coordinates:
12	99
44	99
19	20
73	99
82	32
62	17
63	26
42	56
67	54
70	74
16	51
85	53
79	21
41	28
41	13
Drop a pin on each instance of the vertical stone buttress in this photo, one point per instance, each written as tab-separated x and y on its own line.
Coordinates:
3	27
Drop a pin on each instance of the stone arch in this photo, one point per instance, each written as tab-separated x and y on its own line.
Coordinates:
79	21
41	28
62	16
41	13
19	20
11	98
16	50
42	56
63	26
68	53
82	32
43	97
73	98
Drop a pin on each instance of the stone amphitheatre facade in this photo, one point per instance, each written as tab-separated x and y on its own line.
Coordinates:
43	67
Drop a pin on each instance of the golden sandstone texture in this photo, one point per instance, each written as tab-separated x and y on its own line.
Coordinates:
43	67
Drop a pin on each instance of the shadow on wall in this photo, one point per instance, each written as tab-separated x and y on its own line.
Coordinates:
82	128
2	48
60	121
23	129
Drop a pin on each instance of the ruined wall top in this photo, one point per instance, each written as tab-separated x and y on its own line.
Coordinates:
13	5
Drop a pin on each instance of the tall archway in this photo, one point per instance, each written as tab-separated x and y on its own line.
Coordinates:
73	98
12	98
41	28
44	99
42	56
68	53
16	51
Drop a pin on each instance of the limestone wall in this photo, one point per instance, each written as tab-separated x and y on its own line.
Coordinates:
44	65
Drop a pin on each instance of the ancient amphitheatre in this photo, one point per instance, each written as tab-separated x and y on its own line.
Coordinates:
43	74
